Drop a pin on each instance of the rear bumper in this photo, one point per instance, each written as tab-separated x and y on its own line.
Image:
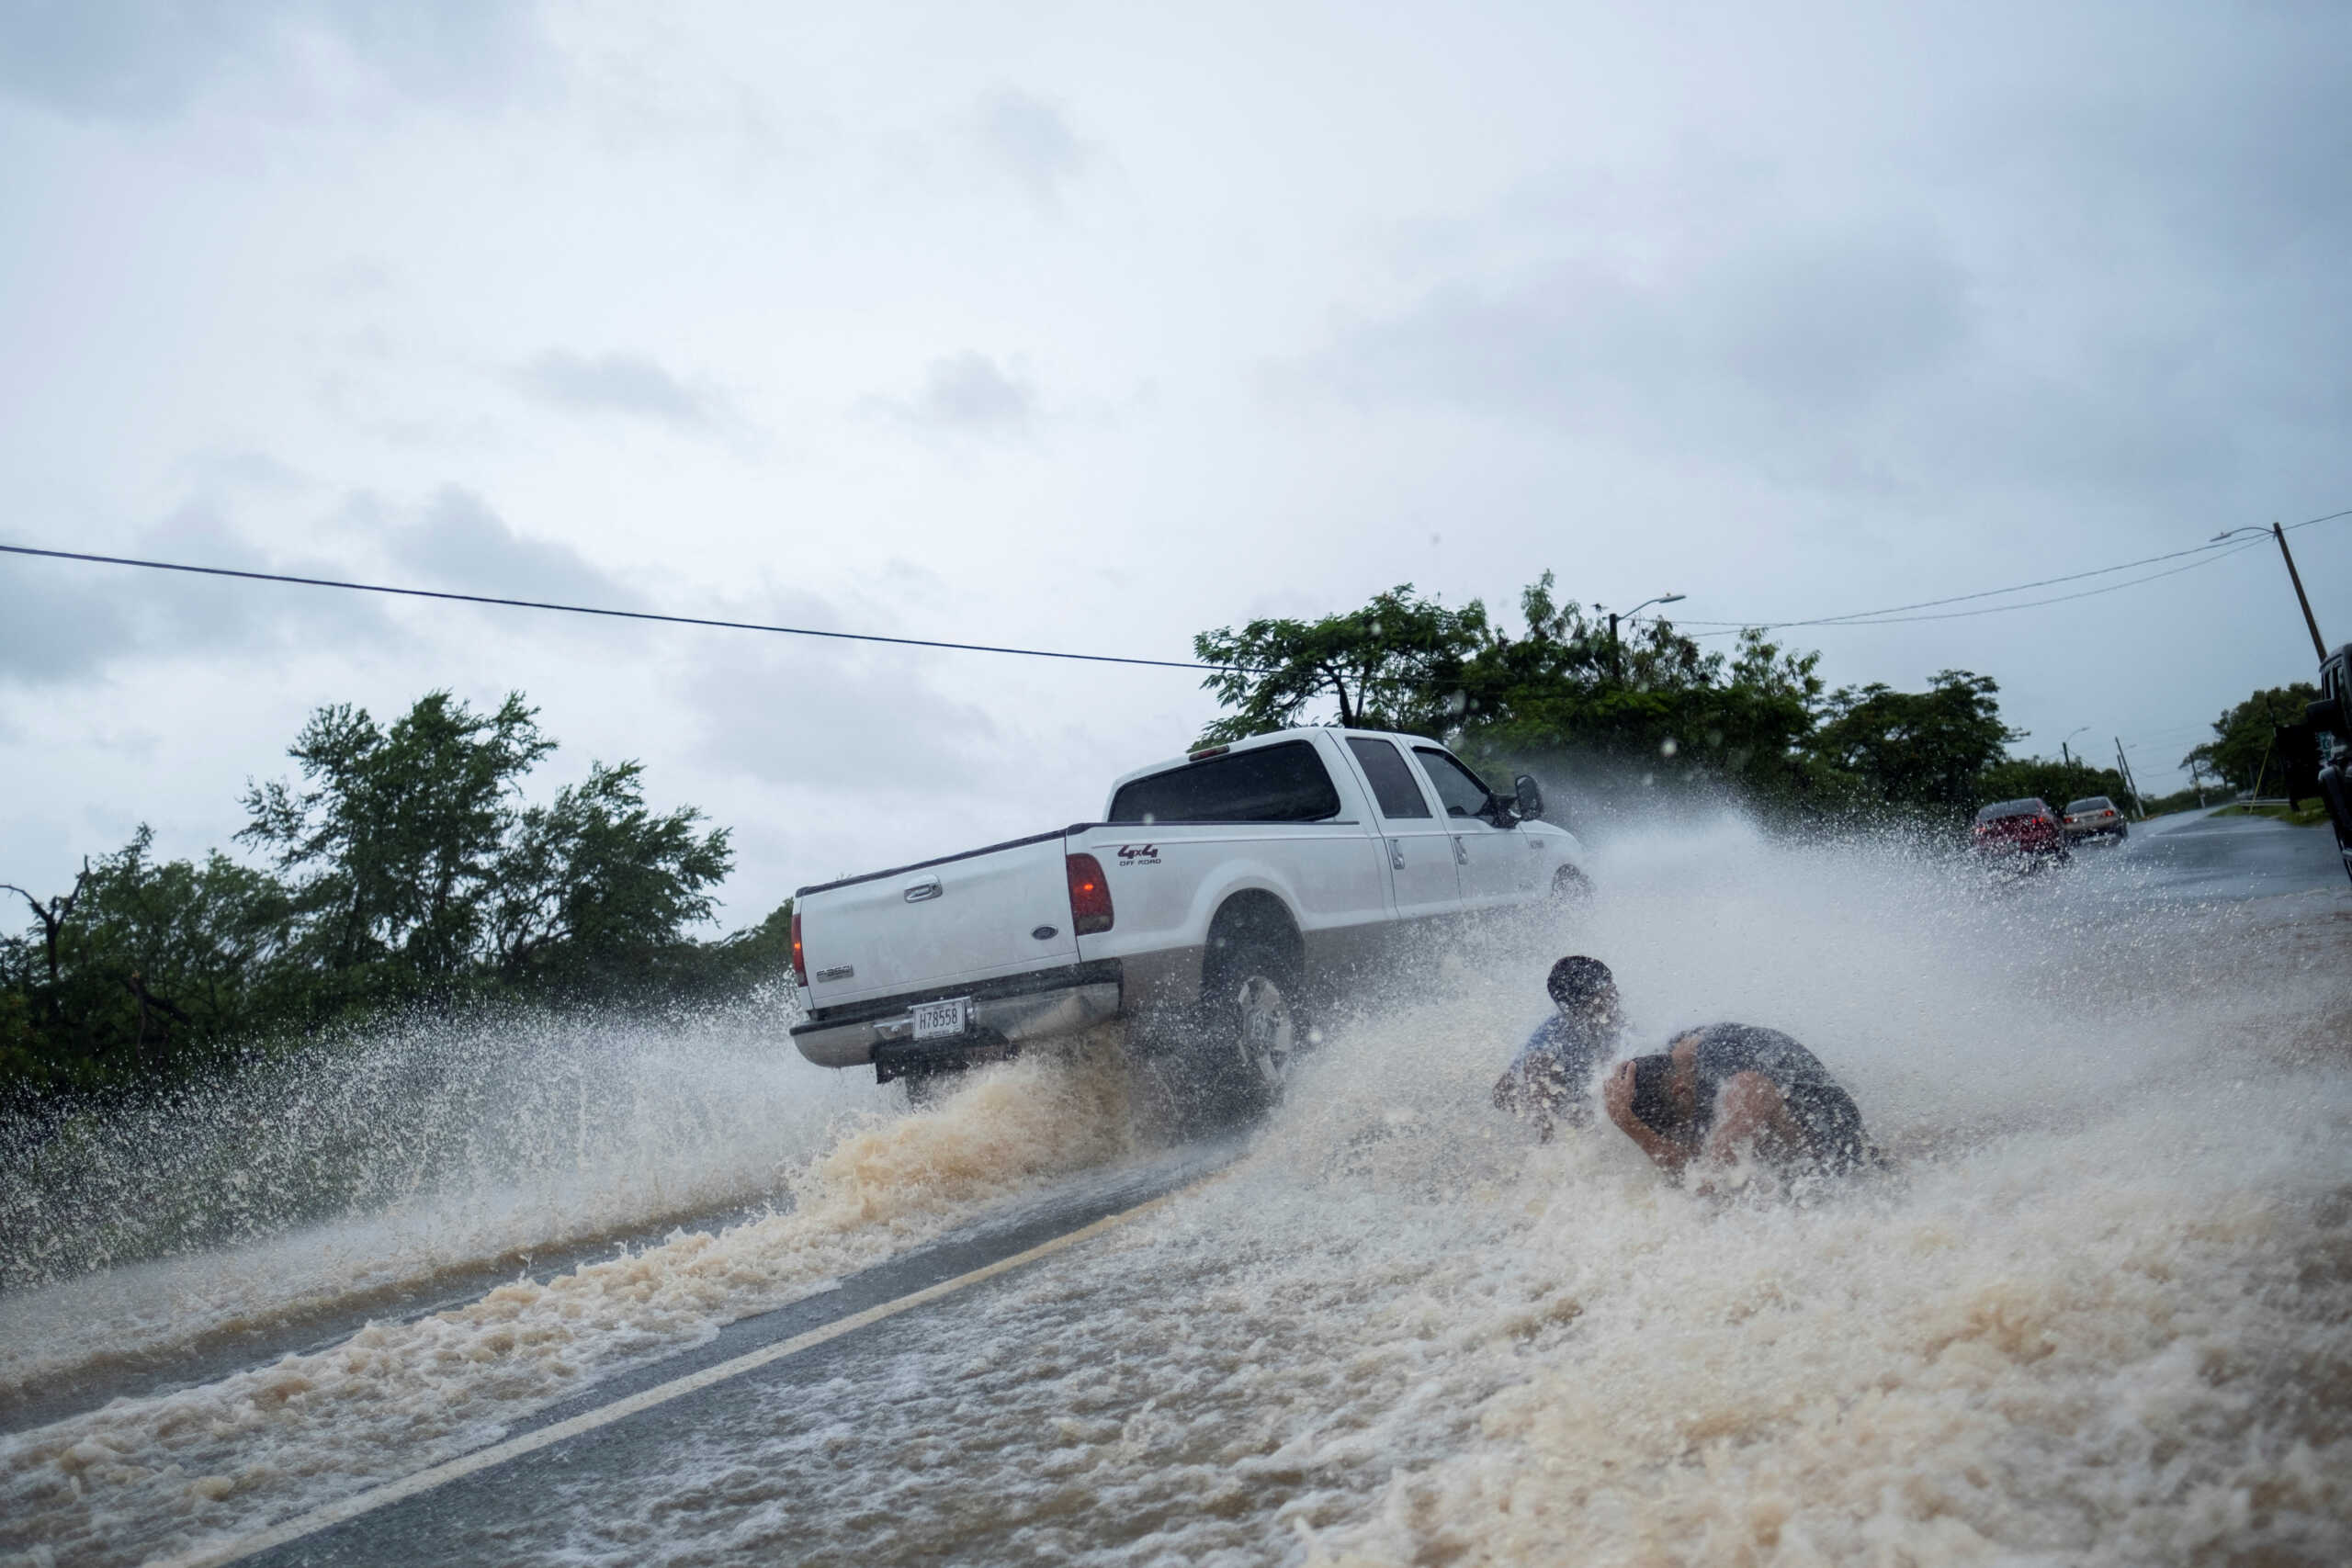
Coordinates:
2045	844
1022	1018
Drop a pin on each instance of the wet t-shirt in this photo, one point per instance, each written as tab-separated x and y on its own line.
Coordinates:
1552	1074
1820	1105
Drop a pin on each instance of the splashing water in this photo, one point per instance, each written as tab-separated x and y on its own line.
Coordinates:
396	1395
362	1176
2097	1314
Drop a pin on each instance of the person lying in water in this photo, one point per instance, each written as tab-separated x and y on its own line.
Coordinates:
1732	1089
1550	1078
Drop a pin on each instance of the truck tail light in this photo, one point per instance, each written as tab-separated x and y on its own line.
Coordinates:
1090	896
799	957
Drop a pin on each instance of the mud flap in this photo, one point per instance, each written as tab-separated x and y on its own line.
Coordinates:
906	1059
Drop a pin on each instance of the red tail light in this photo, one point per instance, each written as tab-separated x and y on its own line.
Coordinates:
799	958
1090	896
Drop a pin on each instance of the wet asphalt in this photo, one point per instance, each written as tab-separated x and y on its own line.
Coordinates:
2201	855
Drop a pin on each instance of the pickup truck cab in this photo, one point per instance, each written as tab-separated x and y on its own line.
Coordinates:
1222	895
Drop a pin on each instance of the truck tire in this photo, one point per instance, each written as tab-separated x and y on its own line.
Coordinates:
1252	1019
1570	887
1250	1034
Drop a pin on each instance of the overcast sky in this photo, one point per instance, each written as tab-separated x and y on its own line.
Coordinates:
1092	327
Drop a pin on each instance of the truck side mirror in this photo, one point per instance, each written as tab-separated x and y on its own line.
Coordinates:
1531	797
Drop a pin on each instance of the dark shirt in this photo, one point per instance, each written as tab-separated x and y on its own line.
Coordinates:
1552	1075
1821	1107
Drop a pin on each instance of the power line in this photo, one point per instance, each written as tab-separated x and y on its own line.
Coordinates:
600	609
1893	614
1884	619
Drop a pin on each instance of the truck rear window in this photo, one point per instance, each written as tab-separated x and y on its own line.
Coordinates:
1272	784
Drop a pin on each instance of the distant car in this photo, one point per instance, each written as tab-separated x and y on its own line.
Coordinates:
2093	818
2020	827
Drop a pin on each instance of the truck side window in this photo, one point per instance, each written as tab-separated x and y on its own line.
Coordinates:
1271	784
1456	785
1392	778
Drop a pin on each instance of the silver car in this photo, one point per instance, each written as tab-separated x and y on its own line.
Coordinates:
2096	816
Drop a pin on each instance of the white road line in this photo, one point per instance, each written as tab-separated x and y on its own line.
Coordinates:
497	1454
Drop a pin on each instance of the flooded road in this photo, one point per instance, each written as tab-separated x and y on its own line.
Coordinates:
2099	1311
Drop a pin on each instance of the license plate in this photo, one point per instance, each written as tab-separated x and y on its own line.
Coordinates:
937	1020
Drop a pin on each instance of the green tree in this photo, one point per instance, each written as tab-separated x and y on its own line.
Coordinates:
739	962
1394	664
1564	686
146	969
594	887
414	872
2054	780
394	846
1402	662
2242	735
1915	751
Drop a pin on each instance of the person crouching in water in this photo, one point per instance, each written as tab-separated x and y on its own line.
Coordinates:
1548	1081
1732	1089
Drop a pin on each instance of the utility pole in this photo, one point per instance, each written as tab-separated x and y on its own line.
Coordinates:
2311	621
2318	646
2124	768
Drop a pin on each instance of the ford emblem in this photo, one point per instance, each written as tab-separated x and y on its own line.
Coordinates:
1045	933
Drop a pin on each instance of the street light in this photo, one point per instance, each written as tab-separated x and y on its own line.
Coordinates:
2276	532
1616	658
2063	755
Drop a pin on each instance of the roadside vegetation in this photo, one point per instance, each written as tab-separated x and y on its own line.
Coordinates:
2244	752
1649	704
2296	815
402	874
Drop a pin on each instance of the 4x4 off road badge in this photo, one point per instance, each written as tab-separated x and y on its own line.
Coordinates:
1138	855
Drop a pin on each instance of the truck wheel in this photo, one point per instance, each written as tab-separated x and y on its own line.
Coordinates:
1570	886
1252	1031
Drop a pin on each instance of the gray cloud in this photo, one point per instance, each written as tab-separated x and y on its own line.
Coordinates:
242	468
458	543
1028	139
968	394
805	711
69	622
72	621
1825	323
141	59
616	383
2126	294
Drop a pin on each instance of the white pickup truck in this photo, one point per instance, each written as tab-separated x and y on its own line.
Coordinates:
1223	895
